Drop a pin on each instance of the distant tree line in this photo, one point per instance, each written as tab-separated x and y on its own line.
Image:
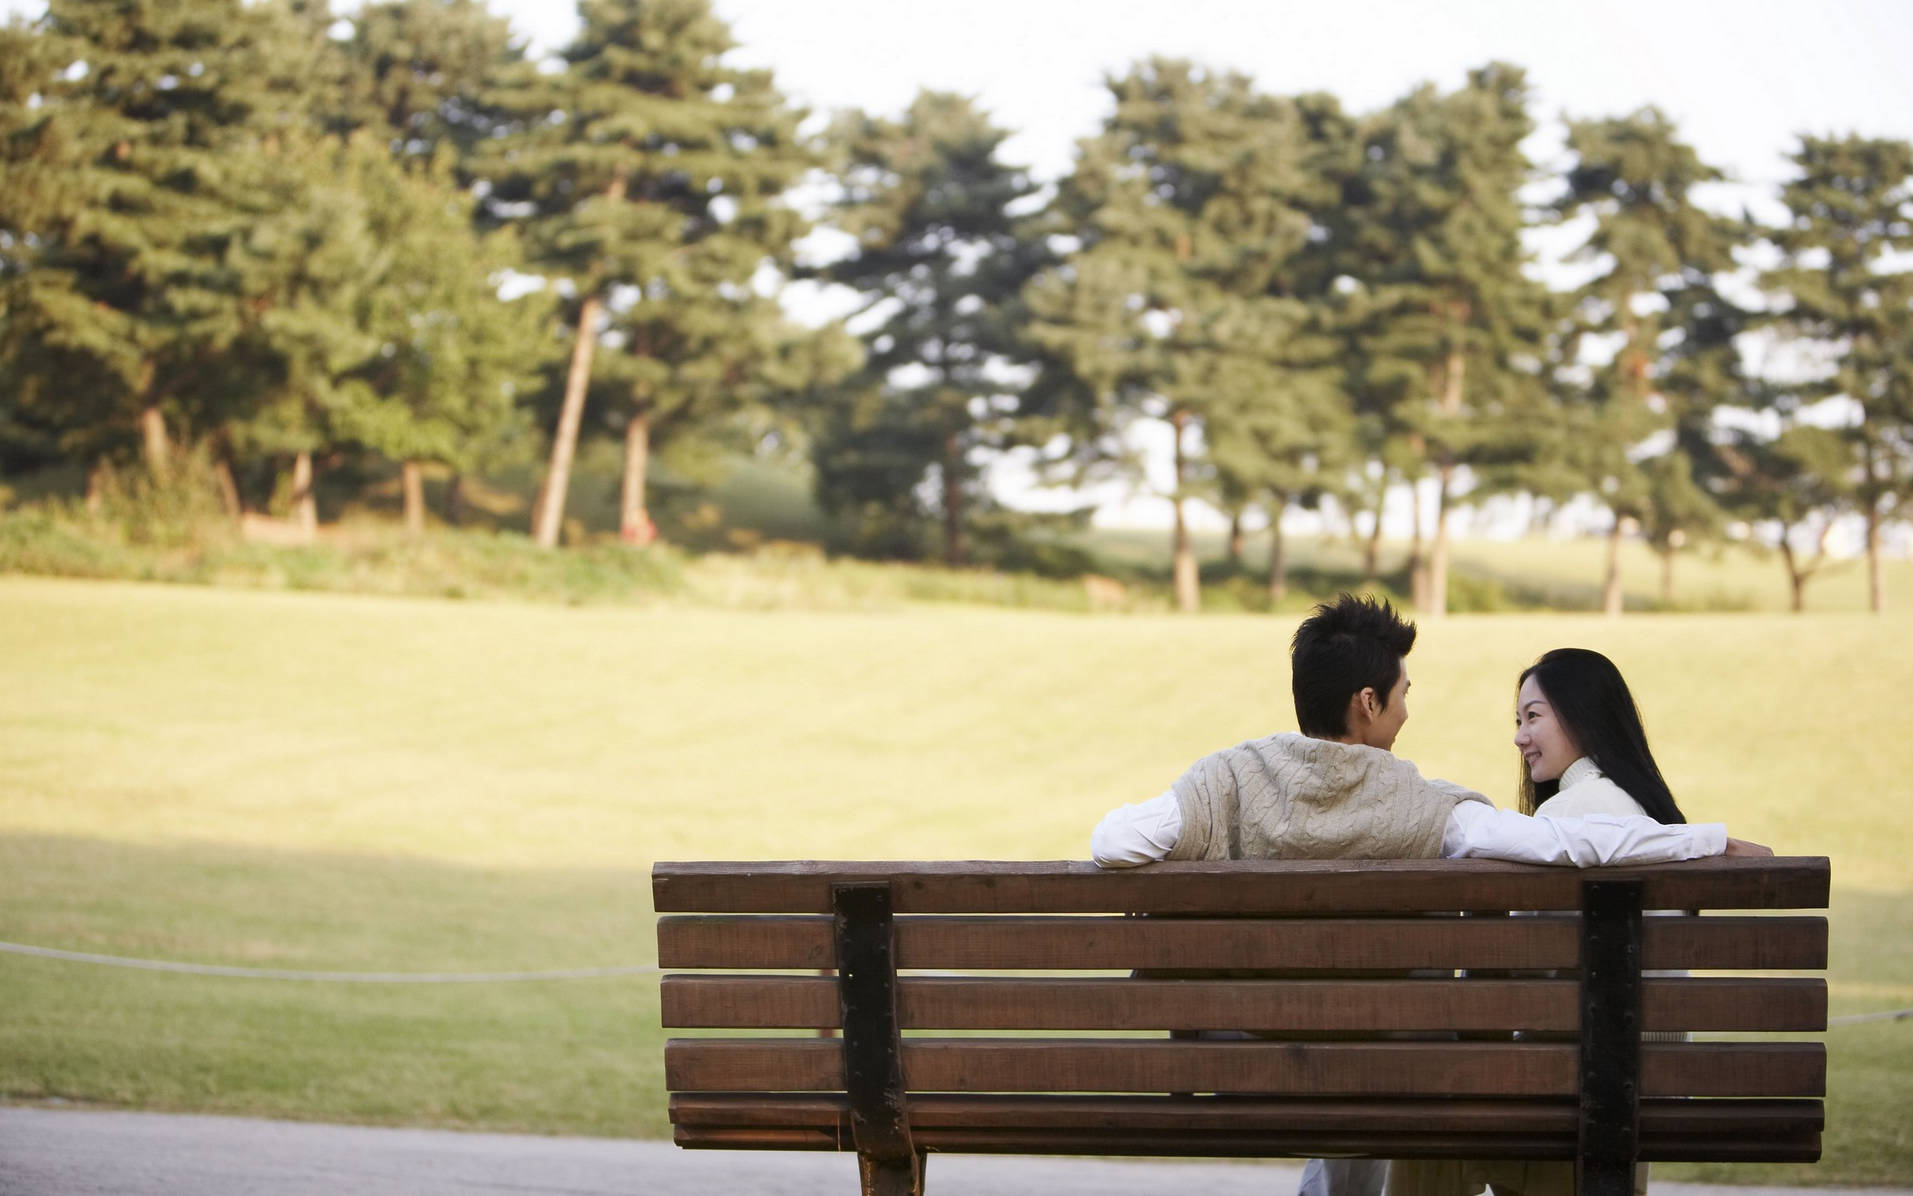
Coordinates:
283	239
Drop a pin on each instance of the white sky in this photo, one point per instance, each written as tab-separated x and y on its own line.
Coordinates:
1740	78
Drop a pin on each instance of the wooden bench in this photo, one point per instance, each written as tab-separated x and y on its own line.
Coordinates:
1365	1041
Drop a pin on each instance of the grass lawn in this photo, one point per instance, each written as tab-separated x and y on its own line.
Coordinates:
325	782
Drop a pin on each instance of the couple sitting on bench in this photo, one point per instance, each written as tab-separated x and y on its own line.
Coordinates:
1591	795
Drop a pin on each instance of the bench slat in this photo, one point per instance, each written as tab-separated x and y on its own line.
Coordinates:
1275	887
1341	944
1003	1003
1277	1068
1276	1142
936	1110
1715	1130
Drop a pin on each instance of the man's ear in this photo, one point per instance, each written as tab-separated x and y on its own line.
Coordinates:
1361	707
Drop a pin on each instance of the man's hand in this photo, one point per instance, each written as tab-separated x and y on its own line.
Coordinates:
1742	847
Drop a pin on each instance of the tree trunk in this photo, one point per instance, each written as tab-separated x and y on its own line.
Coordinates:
1417	565
1667	575
1372	554
1278	560
229	499
96	488
305	509
956	549
1437	586
155	447
1453	371
634	519
1188	584
1538	517
1876	580
1434	588
455	500
412	487
1611	585
549	513
1235	538
1796	577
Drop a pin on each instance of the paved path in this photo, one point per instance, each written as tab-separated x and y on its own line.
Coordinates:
72	1153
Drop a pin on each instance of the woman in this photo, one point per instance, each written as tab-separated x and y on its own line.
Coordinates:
1583	751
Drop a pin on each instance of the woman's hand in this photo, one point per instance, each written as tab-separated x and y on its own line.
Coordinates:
1743	847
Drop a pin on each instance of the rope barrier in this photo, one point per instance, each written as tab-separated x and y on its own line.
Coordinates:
1887	1015
203	969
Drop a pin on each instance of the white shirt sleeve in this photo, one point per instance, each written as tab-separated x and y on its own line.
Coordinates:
1147	831
1480	831
1137	834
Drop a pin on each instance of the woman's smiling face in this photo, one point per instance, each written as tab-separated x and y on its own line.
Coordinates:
1542	740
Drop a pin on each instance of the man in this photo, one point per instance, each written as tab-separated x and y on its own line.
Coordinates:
1336	791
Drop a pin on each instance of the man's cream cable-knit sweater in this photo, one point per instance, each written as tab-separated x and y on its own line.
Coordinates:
1290	797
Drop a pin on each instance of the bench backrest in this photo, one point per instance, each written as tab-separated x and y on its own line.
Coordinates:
1393	1008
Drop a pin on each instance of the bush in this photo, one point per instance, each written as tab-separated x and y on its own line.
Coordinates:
180	510
145	534
1473	594
38	540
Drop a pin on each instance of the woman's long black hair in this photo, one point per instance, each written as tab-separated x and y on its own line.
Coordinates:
1594	707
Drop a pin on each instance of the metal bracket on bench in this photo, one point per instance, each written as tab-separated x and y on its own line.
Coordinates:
873	1044
1610	1060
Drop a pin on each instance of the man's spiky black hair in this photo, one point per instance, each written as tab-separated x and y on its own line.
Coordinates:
1344	647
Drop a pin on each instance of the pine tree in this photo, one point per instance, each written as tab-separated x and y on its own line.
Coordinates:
309	259
706	365
29	67
1287	455
315	266
1193	208
1796	483
656	173
452	358
1851	209
941	257
1286	437
1635	179
430	79
43	389
149	167
1701	372
431	75
1448	326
